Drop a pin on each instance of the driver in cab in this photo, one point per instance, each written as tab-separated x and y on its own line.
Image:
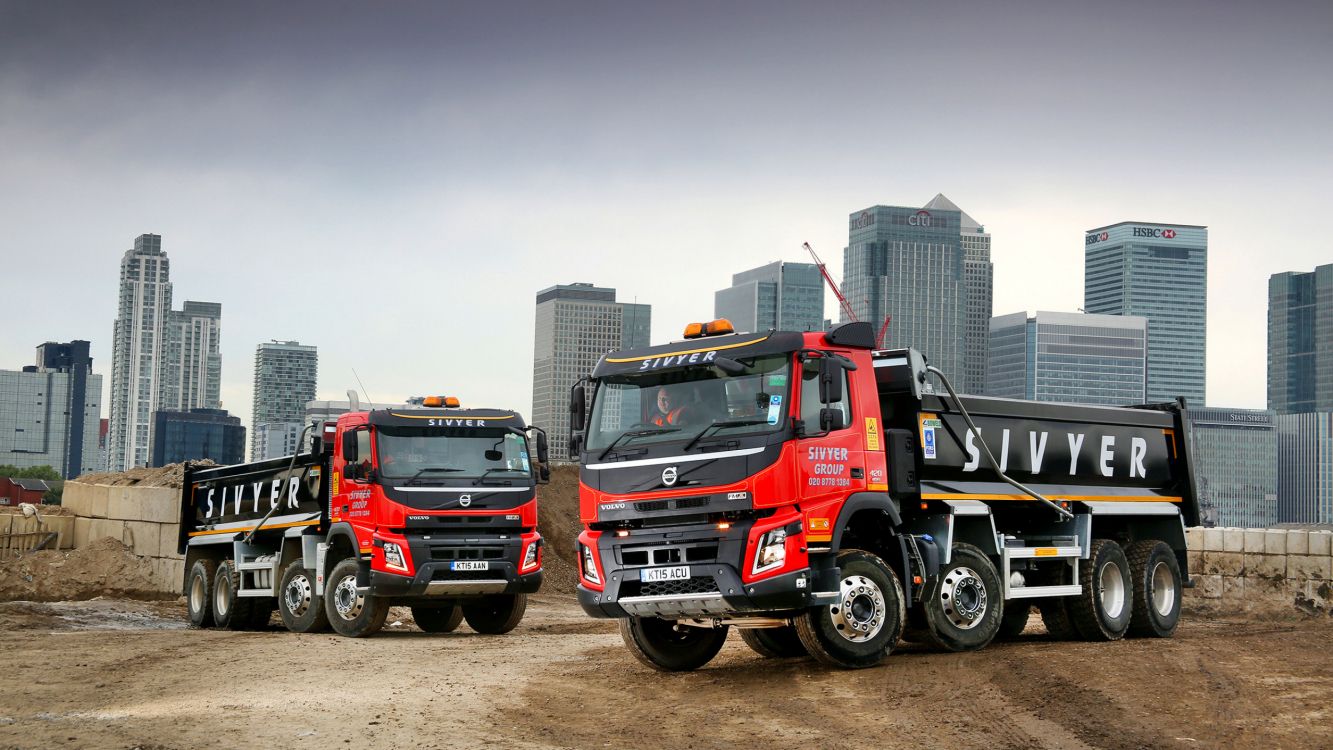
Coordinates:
671	408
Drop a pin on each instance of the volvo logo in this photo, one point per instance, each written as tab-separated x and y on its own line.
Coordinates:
464	500
669	475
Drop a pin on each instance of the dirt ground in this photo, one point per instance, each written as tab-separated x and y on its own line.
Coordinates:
124	674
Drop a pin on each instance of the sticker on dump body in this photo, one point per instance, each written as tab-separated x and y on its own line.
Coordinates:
928	436
774	409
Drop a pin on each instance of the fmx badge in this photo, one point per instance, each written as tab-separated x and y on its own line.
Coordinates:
928	437
872	434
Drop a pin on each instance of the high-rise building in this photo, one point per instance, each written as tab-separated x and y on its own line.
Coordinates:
778	296
197	434
50	412
1073	358
1234	452
1158	271
1300	341
192	366
979	281
928	271
1305	467
576	325
138	338
286	373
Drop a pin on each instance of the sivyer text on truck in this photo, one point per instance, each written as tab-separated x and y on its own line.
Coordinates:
826	498
431	507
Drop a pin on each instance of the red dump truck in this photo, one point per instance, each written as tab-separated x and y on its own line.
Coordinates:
823	497
431	507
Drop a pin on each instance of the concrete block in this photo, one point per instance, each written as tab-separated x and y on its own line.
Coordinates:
1233	589
1194	558
1224	563
1266	590
1233	540
120	504
1321	542
1194	538
159	504
1265	566
1209	587
82	526
98	501
1254	541
167	575
1298	542
76	498
143	537
1275	542
1303	567
168	533
102	527
1212	540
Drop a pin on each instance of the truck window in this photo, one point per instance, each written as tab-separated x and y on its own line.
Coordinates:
810	404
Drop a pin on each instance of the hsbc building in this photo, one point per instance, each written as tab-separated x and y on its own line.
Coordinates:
1158	271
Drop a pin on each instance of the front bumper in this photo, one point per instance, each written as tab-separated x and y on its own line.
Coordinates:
718	593
434	577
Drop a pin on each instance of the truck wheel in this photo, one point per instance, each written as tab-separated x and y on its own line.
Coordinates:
230	612
964	603
302	610
350	612
438	619
1055	616
199	593
863	625
1102	612
1015	619
1156	574
774	643
668	646
496	614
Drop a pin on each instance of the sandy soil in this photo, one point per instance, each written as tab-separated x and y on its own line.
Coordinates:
124	674
105	567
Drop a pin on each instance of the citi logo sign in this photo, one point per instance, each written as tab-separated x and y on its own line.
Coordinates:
1169	234
865	219
919	219
1096	237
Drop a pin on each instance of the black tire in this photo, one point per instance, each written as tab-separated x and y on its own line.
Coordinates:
774	643
669	647
1015	619
1157	589
301	608
870	610
438	619
199	593
496	614
964	603
230	612
352	614
1102	612
1055	616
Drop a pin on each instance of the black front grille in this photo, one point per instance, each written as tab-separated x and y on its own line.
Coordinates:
444	574
669	555
684	587
650	506
692	502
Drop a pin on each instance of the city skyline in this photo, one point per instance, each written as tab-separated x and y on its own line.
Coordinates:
276	183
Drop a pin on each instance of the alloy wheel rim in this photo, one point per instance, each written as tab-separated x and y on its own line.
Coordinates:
963	598
859	614
1112	583
1163	589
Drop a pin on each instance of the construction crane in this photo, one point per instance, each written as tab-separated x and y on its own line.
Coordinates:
846	306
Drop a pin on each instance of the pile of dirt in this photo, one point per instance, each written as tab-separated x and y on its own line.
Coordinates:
558	522
171	475
105	567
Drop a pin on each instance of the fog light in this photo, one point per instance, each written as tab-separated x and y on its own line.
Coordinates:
393	556
772	550
589	564
530	559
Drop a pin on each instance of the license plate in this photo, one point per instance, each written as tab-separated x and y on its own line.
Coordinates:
469	565
675	573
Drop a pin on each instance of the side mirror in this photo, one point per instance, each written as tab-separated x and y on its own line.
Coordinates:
831	420
575	446
543	450
830	380
351	471
349	447
578	406
544	473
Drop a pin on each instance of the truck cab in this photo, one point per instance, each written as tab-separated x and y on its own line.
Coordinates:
821	498
432	507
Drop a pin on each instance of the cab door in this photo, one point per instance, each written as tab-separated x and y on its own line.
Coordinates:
830	459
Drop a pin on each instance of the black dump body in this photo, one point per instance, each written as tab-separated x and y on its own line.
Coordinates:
1066	452
220	502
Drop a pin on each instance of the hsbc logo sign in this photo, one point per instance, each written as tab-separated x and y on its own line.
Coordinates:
919	219
1169	234
1096	237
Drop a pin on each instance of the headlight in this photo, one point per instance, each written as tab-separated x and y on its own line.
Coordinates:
589	564
393	556
772	550
530	559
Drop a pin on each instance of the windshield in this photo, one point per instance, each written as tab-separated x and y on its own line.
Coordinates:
658	406
434	454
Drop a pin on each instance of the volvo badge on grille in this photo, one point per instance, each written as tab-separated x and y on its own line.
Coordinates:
669	475
464	500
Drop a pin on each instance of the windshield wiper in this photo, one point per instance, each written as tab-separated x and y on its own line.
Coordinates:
482	479
427	470
719	425
635	434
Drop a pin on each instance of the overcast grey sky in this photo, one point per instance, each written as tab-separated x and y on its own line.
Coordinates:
393	182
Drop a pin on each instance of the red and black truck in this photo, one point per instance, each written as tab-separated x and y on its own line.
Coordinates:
431	507
823	497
